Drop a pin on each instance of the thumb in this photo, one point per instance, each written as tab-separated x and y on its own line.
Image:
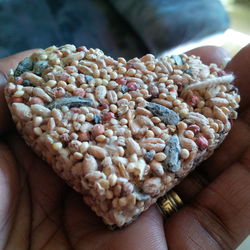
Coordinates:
6	64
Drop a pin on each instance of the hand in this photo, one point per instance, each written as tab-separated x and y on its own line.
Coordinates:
39	211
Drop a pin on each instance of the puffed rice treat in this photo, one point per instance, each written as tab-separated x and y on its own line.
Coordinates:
122	133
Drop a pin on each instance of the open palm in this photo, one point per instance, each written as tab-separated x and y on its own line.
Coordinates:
39	211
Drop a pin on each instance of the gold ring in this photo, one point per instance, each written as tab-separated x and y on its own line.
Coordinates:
169	203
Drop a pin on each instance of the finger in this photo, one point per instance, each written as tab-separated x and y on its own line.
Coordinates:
227	154
46	193
192	185
9	187
5	65
87	231
220	216
15	204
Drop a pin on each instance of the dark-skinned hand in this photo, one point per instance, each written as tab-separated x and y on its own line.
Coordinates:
39	211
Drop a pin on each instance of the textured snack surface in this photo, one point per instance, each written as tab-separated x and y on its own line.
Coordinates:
120	132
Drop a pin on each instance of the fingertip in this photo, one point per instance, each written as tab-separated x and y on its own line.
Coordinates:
211	54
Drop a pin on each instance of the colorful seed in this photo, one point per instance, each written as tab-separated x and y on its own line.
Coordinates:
178	60
83	136
88	78
63	77
103	106
172	151
124	89
35	100
107	116
132	86
81	48
76	110
167	115
59	91
153	90
140	196
149	156
195	128
184	153
121	81
160	156
26	83
98	129
79	92
202	142
25	65
17	99
97	119
18	80
40	66
188	71
70	102
193	100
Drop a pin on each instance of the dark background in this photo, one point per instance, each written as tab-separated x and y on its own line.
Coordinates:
125	28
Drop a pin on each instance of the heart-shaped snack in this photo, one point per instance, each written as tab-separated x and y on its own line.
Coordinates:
122	133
